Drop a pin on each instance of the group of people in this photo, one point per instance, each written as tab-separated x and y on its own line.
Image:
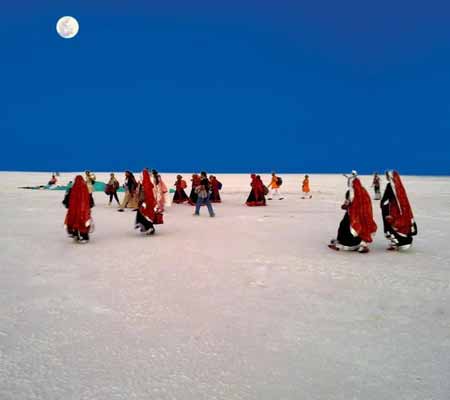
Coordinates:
204	191
358	227
147	196
259	191
214	186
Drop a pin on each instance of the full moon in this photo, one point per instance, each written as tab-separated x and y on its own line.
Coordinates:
67	27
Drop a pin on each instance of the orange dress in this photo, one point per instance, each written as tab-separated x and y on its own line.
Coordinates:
273	183
305	185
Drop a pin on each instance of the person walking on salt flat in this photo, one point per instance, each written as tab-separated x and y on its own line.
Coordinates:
257	194
376	182
78	202
216	186
147	214
357	227
305	188
160	190
180	195
90	179
111	189
274	185
398	218
130	185
203	191
193	195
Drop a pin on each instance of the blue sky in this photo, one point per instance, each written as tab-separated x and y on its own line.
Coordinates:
236	86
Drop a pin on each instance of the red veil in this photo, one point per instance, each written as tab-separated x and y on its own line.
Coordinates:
149	197
79	212
257	187
195	180
400	210
360	212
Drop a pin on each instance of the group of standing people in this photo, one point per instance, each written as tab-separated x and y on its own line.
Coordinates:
358	227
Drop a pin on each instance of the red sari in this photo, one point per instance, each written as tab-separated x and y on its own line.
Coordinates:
147	207
360	213
193	195
78	217
256	196
180	195
215	195
402	218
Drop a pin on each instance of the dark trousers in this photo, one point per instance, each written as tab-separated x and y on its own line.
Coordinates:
111	195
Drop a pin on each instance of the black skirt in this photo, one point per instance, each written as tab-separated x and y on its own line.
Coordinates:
344	236
180	196
253	200
193	196
215	198
143	222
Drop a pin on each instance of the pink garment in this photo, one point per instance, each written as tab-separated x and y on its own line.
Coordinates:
160	194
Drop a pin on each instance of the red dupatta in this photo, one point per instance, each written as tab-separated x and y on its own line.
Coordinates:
147	208
195	181
360	212
214	185
402	218
79	213
257	188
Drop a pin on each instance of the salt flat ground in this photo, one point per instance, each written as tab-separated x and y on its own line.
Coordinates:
249	305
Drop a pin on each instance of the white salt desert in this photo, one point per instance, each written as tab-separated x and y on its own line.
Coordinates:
248	305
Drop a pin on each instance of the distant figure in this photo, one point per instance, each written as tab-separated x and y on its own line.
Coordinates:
160	190
305	188
78	221
180	195
146	215
398	218
357	227
256	197
195	183
274	185
203	192
53	181
216	186
111	189
376	183
90	179
130	185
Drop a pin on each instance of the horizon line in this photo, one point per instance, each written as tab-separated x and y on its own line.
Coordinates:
229	173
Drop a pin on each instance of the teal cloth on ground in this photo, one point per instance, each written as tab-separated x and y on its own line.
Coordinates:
98	187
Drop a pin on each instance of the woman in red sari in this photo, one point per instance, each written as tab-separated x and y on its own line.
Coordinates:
78	202
180	195
146	215
216	186
398	218
196	180
257	194
357	227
